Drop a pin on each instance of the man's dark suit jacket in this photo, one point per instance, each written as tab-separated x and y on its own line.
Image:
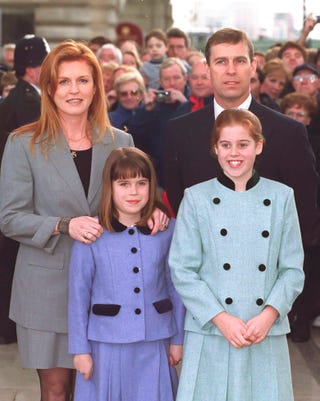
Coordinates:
20	107
287	157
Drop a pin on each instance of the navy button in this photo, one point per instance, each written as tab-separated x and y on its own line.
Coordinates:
216	201
136	269
223	232
228	301
265	234
226	266
262	267
259	301
267	202
137	311
137	290
131	231
134	250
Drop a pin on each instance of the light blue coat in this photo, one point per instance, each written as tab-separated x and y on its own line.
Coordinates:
237	252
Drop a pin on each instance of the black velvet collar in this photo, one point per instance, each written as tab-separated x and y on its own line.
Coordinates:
119	227
227	182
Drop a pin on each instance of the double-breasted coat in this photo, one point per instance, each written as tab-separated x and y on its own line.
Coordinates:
36	190
236	252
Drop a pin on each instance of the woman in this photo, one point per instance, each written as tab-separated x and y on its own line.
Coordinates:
275	77
130	114
50	188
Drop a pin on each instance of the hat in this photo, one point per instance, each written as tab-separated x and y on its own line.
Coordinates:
30	51
309	67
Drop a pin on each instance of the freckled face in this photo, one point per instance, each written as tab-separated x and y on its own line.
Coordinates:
236	151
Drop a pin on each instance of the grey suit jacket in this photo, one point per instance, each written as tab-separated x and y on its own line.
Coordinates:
35	192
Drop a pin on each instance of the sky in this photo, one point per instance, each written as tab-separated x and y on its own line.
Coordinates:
262	11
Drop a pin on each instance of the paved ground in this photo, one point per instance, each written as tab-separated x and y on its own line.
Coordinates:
22	385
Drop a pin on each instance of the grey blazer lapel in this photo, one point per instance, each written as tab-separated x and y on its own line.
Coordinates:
100	152
60	157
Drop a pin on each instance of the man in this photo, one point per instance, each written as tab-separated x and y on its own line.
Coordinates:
8	55
178	45
200	88
173	82
20	107
287	156
109	52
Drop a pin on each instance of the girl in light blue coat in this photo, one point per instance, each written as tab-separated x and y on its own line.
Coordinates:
125	317
236	260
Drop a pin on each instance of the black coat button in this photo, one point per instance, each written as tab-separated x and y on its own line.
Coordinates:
228	301
131	231
262	267
226	266
137	311
265	234
216	201
134	250
259	301
136	269
137	290
267	202
223	232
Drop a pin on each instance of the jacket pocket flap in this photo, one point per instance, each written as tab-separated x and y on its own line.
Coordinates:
105	309
163	306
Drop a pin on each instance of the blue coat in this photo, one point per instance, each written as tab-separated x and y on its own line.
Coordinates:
120	290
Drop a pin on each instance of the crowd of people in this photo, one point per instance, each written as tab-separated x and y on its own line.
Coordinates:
103	145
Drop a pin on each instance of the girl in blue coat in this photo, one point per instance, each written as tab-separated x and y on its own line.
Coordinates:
125	317
236	260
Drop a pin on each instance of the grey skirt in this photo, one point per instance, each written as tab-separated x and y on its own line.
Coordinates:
43	349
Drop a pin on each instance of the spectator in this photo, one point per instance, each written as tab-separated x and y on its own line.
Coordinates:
287	156
261	59
178	45
200	87
8	55
131	58
306	79
292	54
275	77
7	83
109	52
194	56
155	46
130	115
95	43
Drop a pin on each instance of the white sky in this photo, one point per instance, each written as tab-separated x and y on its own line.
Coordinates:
263	11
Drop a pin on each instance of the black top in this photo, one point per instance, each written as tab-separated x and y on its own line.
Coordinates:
82	159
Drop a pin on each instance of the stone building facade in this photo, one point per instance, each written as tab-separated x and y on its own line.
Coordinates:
79	19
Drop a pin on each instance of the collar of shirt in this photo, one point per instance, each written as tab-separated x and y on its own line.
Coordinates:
218	109
36	88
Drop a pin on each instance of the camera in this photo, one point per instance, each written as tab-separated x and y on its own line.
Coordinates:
162	96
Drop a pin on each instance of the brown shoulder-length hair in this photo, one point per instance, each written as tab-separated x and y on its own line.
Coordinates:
231	117
124	163
46	129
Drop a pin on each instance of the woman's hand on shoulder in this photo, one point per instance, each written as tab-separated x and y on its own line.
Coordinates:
159	221
83	363
85	229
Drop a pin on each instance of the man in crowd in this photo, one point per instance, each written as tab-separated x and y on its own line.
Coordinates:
287	156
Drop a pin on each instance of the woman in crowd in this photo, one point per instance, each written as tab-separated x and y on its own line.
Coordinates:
50	188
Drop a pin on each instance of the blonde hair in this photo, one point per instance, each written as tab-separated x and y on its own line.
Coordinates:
125	163
130	77
46	129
